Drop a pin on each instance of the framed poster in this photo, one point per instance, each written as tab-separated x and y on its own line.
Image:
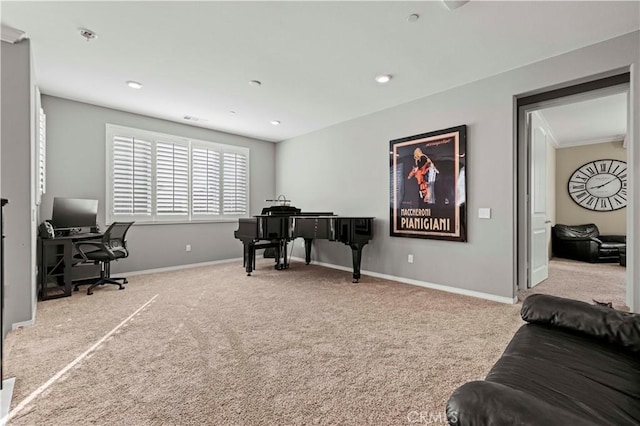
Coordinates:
428	185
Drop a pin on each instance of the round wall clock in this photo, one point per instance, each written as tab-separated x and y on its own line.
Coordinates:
600	185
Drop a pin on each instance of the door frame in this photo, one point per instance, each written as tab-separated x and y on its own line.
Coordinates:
615	82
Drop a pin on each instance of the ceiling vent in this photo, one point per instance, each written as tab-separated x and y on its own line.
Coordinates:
88	34
193	119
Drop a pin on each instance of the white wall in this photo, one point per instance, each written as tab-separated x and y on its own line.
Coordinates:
344	168
76	167
17	133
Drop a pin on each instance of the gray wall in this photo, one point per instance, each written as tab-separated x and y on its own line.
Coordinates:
17	133
344	168
76	165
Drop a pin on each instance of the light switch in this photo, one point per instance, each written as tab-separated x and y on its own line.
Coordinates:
484	213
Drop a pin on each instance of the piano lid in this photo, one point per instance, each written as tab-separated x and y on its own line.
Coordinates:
280	211
283	208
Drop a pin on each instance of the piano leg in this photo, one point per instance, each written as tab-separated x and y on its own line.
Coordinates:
278	248
285	261
307	250
249	257
356	252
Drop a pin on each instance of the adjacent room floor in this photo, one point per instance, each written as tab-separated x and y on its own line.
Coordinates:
604	282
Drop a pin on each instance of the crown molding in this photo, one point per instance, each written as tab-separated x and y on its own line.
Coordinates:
614	138
454	4
12	35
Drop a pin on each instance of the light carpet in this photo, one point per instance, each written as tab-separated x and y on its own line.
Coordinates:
215	347
604	282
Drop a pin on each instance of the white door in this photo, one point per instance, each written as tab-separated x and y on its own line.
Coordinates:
538	249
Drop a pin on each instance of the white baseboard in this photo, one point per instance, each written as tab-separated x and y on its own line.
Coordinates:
179	267
17	325
5	401
462	291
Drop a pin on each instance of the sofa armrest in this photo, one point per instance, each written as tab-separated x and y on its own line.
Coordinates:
577	239
616	327
613	238
489	403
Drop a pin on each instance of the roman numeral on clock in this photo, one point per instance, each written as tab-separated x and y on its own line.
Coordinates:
577	186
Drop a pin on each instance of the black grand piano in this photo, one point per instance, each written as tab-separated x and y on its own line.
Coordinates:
280	224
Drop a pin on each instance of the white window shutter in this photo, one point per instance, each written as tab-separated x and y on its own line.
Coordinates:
172	179
42	154
205	181
132	177
234	190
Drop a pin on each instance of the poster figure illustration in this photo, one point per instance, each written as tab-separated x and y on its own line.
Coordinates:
428	185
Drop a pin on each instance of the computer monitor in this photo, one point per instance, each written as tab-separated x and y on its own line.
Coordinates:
70	213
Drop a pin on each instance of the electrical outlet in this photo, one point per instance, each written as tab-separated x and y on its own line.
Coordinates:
410	258
188	247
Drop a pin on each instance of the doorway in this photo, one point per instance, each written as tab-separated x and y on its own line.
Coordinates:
537	147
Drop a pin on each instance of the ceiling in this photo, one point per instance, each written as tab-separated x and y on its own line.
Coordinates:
316	60
599	120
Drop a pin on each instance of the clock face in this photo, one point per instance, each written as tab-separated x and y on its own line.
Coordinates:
600	185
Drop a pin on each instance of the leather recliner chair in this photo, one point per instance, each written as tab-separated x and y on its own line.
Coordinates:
584	242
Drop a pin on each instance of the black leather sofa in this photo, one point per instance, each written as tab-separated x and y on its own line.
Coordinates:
584	242
572	364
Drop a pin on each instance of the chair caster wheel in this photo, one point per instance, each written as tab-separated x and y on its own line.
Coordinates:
121	288
125	281
89	293
76	289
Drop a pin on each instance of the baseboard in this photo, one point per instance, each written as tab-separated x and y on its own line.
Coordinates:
179	267
462	291
17	325
5	401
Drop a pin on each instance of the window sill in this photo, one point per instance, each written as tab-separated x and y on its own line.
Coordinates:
185	222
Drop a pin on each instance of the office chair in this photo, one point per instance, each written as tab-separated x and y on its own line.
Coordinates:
113	246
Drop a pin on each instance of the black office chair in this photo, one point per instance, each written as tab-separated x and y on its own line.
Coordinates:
113	246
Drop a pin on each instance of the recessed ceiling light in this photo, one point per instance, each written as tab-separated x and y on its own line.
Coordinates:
383	78
255	83
232	112
275	122
134	84
413	17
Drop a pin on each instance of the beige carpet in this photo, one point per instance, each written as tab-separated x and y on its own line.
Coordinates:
215	347
604	282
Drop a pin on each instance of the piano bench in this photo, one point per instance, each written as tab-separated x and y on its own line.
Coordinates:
257	247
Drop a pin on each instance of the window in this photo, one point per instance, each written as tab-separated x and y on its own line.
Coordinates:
161	178
235	183
41	158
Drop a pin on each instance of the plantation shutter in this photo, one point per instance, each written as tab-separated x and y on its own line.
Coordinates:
205	188
234	191
131	180
42	154
172	178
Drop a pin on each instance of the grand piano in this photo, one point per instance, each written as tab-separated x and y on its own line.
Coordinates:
280	224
